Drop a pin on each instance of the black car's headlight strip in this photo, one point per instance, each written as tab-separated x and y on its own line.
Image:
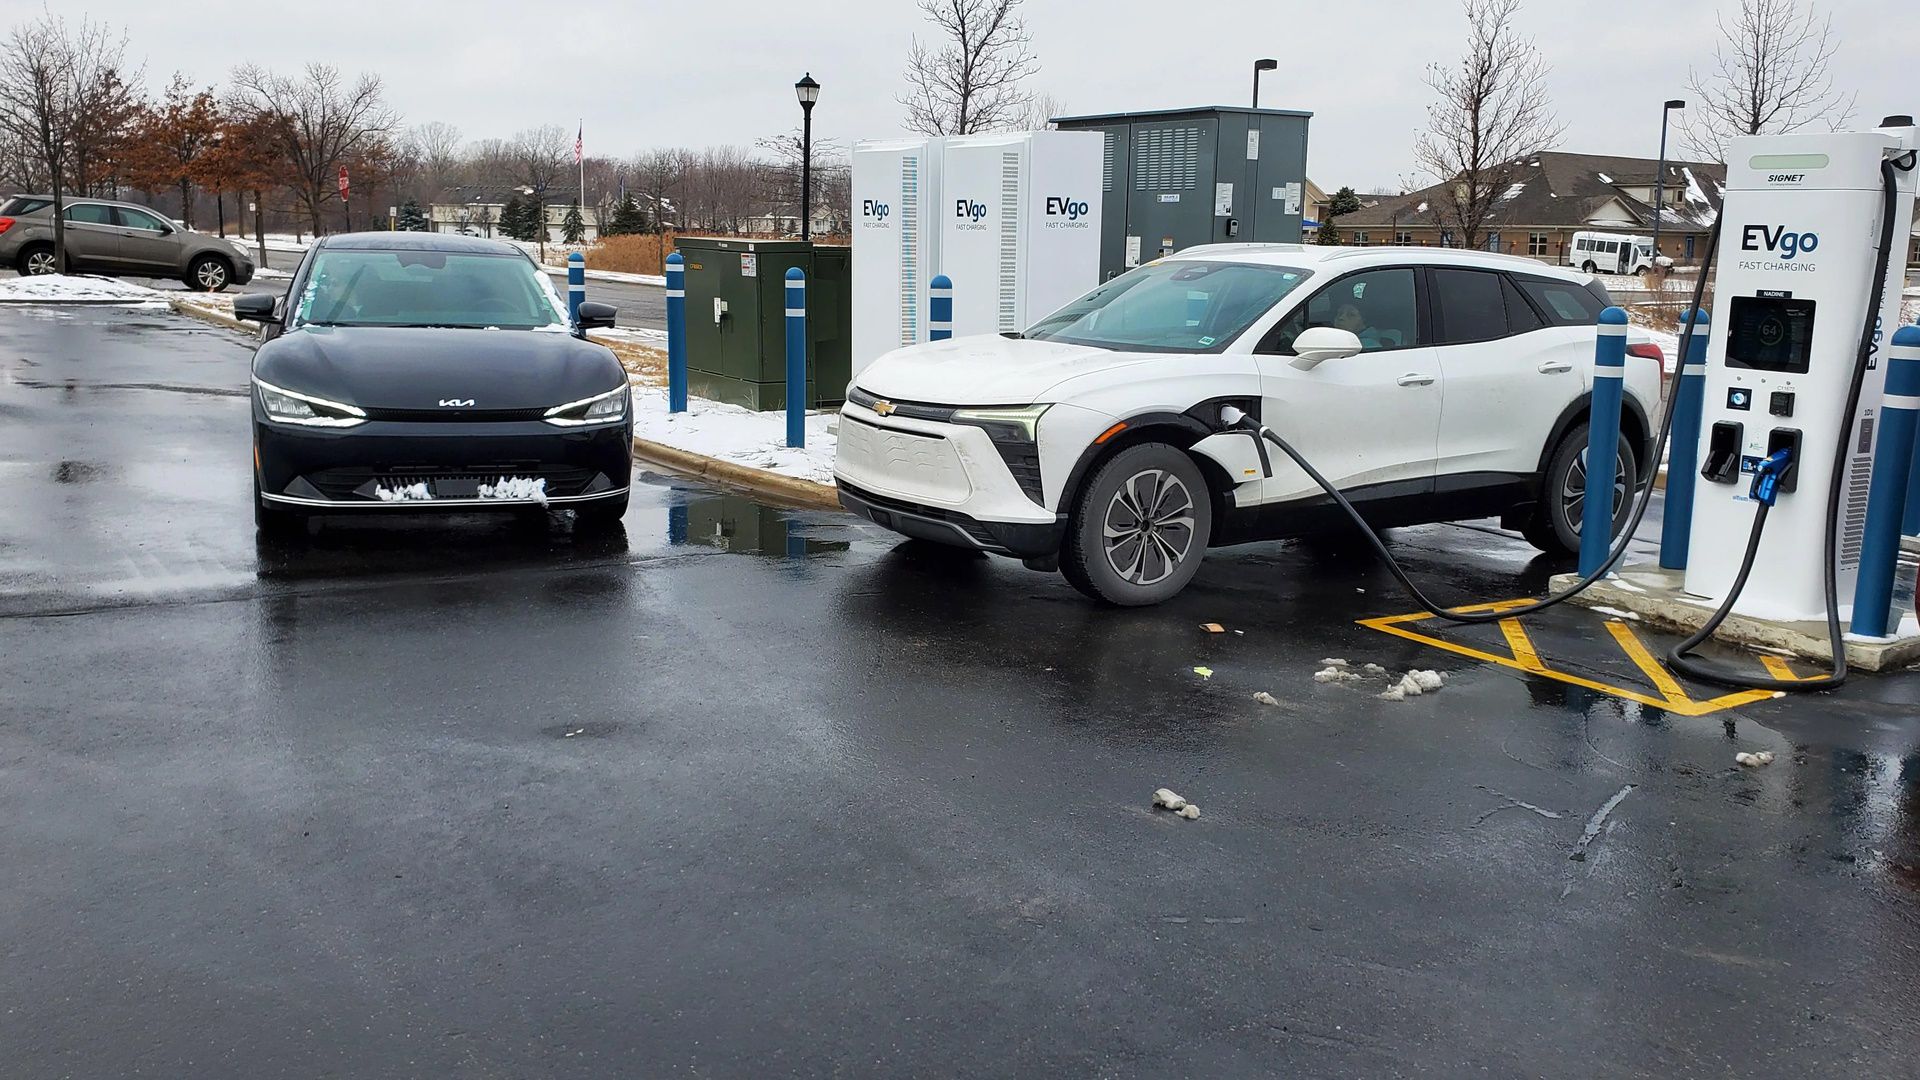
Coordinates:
606	408
285	406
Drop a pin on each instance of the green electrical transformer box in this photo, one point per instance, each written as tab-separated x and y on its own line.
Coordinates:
1178	178
736	319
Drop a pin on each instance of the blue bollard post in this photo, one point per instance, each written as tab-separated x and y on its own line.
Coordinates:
676	333
1683	449
1887	500
940	308
796	357
1603	438
576	285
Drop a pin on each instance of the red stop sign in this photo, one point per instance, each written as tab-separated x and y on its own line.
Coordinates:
343	183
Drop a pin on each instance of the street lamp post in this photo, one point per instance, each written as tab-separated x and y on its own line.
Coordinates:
1660	177
1258	67
808	92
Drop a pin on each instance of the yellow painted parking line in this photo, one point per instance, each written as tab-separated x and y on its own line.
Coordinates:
1526	658
1777	667
1522	646
1642	659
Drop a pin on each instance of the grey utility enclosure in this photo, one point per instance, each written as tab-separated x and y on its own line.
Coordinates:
1176	178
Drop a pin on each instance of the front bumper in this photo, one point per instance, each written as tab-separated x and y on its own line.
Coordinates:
341	469
1019	539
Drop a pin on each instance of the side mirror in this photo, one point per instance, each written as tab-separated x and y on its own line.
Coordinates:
596	316
254	307
1318	343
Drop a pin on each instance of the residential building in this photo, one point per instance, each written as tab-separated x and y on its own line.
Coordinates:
476	210
1551	196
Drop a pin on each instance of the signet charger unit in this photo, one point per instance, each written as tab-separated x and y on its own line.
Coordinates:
896	243
1799	251
1019	225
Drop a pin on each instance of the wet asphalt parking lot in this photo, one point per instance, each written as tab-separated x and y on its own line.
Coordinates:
752	792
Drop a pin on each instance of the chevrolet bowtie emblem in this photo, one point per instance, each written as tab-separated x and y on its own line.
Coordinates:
884	408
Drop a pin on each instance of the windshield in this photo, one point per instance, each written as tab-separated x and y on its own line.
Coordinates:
428	288
1171	306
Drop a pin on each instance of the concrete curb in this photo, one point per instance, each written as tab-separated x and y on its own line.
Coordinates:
214	317
804	494
77	302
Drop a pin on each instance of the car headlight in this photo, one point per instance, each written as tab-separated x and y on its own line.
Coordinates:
1013	433
1021	421
292	407
604	408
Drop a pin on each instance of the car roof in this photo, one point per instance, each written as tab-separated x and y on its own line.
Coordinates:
1339	258
416	241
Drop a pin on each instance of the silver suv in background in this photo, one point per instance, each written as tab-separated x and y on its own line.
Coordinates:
117	239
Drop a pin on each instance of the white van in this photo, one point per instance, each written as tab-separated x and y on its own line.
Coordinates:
1610	253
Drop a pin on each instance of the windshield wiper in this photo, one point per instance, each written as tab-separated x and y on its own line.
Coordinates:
1013	335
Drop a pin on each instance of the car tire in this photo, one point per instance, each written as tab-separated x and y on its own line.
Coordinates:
209	273
36	259
1589	267
1119	555
1555	525
601	514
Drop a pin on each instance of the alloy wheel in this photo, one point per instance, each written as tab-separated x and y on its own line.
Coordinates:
1148	529
1573	493
211	276
40	262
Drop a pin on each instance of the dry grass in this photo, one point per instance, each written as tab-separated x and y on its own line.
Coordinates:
644	364
647	253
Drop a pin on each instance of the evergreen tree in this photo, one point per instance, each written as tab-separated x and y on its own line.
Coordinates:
573	227
628	218
411	217
1344	201
512	220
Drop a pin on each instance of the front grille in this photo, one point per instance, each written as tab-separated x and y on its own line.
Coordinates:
456	416
347	483
912	410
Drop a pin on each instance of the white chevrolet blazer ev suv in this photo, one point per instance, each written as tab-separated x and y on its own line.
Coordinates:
1427	384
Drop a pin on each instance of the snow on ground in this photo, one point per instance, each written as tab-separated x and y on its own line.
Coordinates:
268	273
75	289
735	434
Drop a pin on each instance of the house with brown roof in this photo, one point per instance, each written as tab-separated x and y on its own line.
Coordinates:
1551	195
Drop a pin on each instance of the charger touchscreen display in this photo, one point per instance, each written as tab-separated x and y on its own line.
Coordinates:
1770	333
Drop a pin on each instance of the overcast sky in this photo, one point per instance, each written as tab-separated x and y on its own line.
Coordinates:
697	72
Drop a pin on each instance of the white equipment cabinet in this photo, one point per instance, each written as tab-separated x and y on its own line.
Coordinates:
896	188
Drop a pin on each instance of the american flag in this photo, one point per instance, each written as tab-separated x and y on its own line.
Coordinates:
579	143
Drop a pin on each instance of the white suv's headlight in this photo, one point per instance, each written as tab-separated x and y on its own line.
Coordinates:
292	407
606	408
1023	419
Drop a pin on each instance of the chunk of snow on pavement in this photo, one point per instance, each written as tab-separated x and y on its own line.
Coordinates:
76	289
516	487
404	493
735	434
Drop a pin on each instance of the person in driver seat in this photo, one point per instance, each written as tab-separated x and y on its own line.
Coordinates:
1350	318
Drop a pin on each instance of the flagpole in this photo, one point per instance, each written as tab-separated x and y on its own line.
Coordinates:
580	141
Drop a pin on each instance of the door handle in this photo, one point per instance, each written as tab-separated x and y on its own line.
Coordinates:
1554	367
1415	378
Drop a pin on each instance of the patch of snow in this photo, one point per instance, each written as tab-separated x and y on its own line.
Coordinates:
516	487
657	280
735	434
76	289
268	273
1514	191
1604	178
639	335
1704	213
404	493
1421	209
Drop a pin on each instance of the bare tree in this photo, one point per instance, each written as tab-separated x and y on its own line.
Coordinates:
50	76
657	176
436	145
321	123
971	82
1491	111
780	178
1041	109
1771	75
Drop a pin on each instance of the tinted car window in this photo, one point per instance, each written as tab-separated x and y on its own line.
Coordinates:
1469	305
139	219
90	214
21	205
1376	306
1520	315
1565	303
